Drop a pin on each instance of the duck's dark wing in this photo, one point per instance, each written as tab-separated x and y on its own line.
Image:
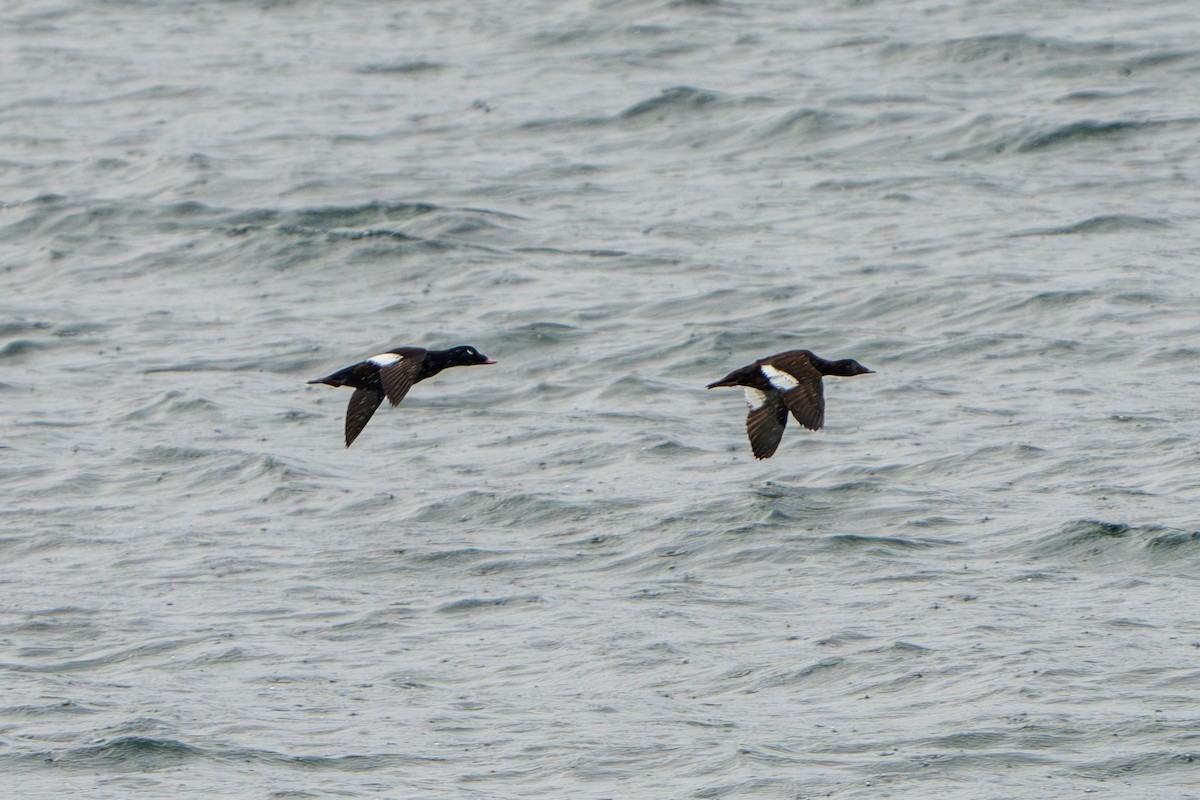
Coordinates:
362	405
799	384
398	377
807	403
766	421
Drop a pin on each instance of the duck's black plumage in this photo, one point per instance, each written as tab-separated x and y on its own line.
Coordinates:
789	381
391	374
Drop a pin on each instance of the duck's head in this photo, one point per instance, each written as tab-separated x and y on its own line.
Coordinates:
846	367
465	356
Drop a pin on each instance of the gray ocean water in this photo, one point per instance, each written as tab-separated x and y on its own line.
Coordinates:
566	575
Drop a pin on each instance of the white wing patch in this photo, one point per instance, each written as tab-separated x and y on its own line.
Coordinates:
385	359
778	378
755	398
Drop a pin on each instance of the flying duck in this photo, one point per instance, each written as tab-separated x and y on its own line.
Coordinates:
392	374
784	382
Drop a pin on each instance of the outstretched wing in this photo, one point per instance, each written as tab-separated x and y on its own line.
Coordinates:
765	422
398	371
800	387
362	405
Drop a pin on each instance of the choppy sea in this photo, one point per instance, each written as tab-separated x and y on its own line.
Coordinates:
565	575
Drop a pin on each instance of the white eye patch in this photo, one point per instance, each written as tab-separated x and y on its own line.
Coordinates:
778	378
755	398
384	359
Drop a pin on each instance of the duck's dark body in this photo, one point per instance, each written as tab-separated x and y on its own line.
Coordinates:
391	374
789	381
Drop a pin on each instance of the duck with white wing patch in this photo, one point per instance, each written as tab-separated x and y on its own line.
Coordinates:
391	375
789	381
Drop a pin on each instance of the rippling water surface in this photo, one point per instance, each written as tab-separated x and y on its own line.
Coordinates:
566	575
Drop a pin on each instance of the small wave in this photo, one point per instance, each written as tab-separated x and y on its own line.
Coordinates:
1102	542
18	349
1013	50
572	123
828	673
146	753
1172	768
8	328
169	406
657	446
1104	223
136	653
474	605
559	251
844	638
540	334
362	215
458	556
994	346
64	707
1159	58
1173	540
989	135
1092	95
158	93
134	753
1083	131
404	222
844	542
172	455
401	68
489	508
633	386
676	100
1051	299
809	125
227	475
